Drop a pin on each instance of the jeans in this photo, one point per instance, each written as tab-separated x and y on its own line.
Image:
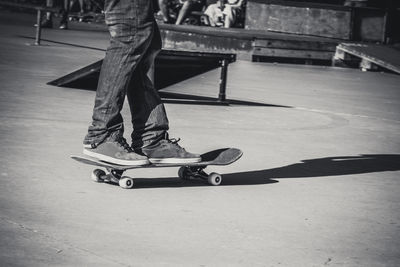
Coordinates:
135	42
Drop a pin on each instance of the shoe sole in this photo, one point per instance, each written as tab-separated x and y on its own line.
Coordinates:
139	162
174	160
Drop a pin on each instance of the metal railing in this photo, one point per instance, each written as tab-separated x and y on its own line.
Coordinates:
39	13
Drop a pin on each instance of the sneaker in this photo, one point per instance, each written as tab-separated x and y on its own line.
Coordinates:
46	23
170	152
63	26
116	152
63	20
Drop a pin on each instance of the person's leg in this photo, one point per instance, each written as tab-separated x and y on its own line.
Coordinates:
89	6
71	4
81	6
163	4
149	119
64	15
230	16
47	22
49	3
184	12
131	26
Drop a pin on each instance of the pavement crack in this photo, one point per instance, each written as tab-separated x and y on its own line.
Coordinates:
63	242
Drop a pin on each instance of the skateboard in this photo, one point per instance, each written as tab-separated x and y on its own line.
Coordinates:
187	171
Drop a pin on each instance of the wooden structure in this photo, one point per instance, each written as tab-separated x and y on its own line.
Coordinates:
247	44
368	56
324	20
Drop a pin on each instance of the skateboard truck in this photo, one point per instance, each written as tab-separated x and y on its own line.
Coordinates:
113	176
190	172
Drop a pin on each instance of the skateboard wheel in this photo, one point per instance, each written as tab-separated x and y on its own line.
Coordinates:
97	175
214	178
183	173
126	182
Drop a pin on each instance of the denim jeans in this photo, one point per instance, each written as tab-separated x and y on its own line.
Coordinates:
134	44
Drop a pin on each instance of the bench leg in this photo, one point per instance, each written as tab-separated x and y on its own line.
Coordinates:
366	65
222	81
39	27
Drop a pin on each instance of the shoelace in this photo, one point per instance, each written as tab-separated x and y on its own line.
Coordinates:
174	140
171	140
122	142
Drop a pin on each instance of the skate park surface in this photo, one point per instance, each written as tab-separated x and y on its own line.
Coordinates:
318	184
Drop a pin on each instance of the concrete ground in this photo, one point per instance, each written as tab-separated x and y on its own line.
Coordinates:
318	184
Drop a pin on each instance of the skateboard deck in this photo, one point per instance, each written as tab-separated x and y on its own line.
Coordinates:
187	171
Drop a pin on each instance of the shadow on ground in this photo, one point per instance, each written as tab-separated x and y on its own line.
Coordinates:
311	168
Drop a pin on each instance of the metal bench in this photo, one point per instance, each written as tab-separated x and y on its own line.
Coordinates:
39	13
215	60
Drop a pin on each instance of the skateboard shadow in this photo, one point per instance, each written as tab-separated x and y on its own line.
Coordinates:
310	168
322	167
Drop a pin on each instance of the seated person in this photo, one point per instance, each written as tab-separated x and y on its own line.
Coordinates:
185	7
224	13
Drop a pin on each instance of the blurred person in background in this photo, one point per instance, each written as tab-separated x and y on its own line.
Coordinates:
224	13
47	22
177	11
